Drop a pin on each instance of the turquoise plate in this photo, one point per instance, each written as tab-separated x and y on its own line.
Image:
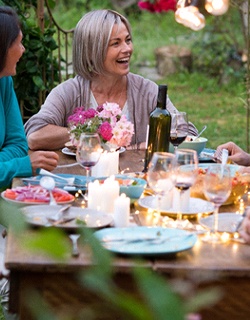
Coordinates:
146	241
80	181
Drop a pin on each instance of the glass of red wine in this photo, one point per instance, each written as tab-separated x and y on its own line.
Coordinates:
179	128
88	152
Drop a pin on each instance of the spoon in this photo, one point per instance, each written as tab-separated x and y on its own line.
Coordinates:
199	134
49	184
75	250
59	217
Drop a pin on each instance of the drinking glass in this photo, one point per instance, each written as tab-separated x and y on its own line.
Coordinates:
88	152
217	185
179	128
186	171
161	176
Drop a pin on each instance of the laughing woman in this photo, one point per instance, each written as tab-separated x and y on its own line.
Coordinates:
102	51
14	158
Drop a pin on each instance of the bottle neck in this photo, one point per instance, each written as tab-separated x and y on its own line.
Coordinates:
162	95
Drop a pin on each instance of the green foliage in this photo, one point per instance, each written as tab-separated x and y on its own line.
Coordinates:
217	49
34	77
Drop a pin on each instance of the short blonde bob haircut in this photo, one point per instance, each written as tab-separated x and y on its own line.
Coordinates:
91	40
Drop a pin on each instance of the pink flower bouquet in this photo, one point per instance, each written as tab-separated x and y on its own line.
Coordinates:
107	120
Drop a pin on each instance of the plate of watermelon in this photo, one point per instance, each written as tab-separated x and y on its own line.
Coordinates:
35	194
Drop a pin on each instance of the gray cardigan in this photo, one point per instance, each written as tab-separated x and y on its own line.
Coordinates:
75	92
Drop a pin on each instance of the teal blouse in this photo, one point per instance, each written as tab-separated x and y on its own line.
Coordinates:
14	159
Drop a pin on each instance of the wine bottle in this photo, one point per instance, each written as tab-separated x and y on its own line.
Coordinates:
159	127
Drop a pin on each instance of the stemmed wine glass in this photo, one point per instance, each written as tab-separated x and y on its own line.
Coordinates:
217	185
179	128
186	171
161	176
88	152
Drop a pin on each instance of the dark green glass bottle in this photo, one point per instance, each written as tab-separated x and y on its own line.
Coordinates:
159	127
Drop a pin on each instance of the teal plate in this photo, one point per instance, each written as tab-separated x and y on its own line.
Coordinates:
80	181
146	241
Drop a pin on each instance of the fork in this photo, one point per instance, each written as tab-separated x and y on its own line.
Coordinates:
149	240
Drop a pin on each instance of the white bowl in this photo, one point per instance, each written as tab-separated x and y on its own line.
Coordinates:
197	145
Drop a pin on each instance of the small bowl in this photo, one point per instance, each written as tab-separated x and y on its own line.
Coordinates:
197	145
132	187
134	190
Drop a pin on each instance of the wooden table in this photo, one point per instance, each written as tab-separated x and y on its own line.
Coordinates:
205	265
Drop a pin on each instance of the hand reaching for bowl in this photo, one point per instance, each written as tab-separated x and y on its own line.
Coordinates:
236	154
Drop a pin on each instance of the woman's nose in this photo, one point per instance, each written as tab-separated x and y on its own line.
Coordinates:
127	47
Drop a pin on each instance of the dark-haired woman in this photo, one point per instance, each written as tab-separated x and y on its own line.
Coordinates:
14	158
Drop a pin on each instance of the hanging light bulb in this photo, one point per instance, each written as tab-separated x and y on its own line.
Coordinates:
189	15
217	7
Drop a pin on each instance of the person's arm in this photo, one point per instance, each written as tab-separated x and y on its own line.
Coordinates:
50	137
48	129
13	143
236	154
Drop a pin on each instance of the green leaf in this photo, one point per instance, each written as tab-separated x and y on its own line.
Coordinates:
51	241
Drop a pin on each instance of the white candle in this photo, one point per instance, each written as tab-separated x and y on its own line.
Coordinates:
107	165
94	195
181	200
121	211
109	192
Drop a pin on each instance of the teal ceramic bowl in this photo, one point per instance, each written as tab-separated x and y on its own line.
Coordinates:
132	187
197	145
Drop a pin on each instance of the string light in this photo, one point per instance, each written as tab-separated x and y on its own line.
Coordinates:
217	7
187	12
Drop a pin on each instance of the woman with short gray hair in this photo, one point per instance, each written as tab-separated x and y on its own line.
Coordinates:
102	50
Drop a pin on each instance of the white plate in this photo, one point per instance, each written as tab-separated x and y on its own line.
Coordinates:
169	241
69	152
38	216
196	206
227	222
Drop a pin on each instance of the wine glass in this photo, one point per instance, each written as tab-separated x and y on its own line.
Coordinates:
161	176
88	152
179	128
217	185
186	171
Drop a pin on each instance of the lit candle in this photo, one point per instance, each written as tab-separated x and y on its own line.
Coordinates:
181	200
107	165
94	195
109	192
121	211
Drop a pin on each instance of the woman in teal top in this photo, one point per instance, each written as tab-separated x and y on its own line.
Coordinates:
14	158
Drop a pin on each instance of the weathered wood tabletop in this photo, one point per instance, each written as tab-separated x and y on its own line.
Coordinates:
205	265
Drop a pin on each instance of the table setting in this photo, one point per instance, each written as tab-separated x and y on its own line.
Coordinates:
171	195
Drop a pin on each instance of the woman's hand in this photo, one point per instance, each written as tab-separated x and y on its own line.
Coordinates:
47	160
236	154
